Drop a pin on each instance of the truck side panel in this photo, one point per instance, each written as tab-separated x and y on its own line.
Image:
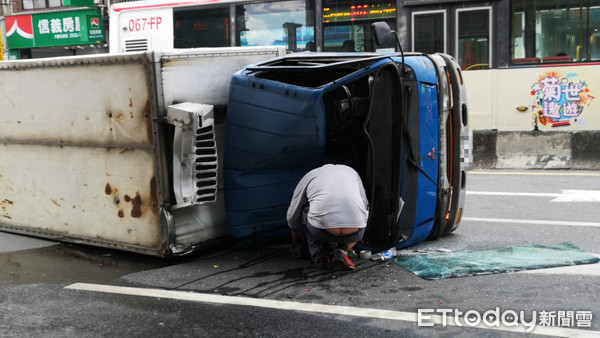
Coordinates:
90	192
77	155
56	102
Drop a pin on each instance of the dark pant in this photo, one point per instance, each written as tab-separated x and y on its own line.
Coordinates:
320	241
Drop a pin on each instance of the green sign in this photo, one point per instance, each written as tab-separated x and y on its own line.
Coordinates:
95	28
13	55
80	3
55	29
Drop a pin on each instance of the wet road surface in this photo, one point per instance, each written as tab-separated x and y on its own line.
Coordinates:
34	274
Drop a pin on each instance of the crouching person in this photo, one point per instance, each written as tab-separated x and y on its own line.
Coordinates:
329	206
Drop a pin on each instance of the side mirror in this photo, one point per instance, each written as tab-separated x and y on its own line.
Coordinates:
383	34
385	37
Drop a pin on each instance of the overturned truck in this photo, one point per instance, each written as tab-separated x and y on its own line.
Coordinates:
399	121
164	153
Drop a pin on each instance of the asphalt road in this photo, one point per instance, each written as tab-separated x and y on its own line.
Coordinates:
64	290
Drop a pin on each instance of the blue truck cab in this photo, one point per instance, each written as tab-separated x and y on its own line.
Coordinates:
399	120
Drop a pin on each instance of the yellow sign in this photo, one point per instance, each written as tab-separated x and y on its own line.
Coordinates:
1	48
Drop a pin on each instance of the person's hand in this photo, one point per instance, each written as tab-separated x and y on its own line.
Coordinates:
298	236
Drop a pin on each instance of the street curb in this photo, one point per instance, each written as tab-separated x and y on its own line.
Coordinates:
493	149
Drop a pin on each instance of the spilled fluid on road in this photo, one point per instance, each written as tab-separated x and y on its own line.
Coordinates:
66	263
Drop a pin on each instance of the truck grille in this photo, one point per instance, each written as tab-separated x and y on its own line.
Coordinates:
205	173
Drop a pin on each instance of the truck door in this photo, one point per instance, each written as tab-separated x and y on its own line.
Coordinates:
388	177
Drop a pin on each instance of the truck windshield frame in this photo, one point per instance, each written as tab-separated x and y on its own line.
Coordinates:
300	70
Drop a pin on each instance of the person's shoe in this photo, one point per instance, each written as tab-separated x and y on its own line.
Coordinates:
300	250
324	264
341	259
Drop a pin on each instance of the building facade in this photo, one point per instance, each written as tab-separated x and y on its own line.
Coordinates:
480	34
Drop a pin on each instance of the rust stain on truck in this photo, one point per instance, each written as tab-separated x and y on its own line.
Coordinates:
154	196
108	189
136	202
4	205
148	119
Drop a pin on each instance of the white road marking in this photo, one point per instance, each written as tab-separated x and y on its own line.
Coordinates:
520	194
565	196
535	173
530	221
569	196
319	308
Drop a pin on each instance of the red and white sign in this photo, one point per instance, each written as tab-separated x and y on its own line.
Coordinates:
22	25
144	24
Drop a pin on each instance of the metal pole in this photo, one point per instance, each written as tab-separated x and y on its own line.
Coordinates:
319	25
232	26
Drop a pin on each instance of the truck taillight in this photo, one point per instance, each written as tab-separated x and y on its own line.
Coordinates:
449	206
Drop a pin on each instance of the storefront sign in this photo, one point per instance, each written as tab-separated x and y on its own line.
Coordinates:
54	29
79	3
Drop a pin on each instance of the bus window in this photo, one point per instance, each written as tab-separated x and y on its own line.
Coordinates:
347	24
518	38
595	46
556	31
473	45
429	31
201	28
559	30
593	53
283	23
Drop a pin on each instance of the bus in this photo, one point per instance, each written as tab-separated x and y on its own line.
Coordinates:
299	25
527	64
169	24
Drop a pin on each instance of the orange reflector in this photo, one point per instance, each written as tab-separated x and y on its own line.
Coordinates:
458	215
